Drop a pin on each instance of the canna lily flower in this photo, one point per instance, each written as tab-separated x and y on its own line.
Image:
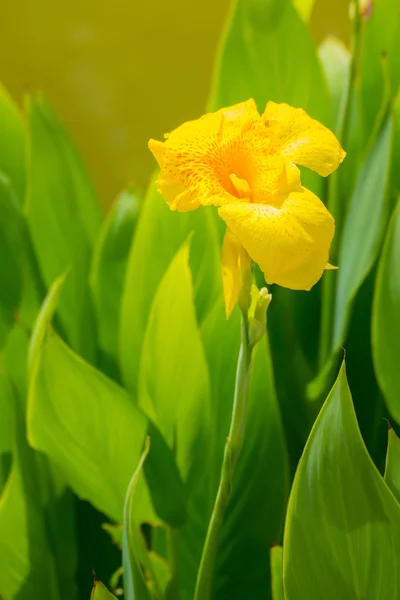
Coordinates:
245	164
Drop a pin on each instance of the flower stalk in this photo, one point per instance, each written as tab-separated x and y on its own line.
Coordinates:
252	330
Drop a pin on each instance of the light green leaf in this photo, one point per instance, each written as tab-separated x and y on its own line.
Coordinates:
268	54
363	230
108	273
12	144
100	592
277	573
342	535
386	318
84	422
11	252
335	59
159	235
56	202
392	467
177	399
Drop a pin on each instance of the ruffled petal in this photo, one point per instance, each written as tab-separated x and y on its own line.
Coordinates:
289	241
301	139
195	159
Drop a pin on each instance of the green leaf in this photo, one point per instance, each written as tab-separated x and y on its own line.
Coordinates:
392	467
57	202
264	55
177	399
11	252
277	573
335	59
83	421
164	482
381	52
386	318
12	144
363	230
159	235
135	556
256	512
342	535
27	566
108	273
100	592
6	412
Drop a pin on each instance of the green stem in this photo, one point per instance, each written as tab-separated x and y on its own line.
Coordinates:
233	447
342	130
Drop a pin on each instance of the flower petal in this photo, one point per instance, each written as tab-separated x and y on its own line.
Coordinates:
235	264
290	241
195	158
301	139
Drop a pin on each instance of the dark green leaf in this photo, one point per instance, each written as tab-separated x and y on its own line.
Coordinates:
342	536
11	257
386	318
392	468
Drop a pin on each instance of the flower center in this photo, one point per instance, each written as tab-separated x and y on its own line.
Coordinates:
241	186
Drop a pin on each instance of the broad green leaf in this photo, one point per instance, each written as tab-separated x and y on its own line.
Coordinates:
12	144
55	205
11	252
159	235
386	318
84	422
177	399
363	230
100	592
108	273
342	535
335	59
277	573
392	467
256	511
27	566
268	54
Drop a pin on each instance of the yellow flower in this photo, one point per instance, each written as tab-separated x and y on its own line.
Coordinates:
245	164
